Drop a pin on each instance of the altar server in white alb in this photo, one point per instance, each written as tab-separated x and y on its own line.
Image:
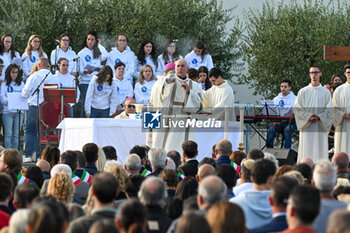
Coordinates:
63	50
314	115
8	53
146	56
90	58
219	96
124	87
101	96
143	87
122	53
65	79
177	96
169	55
341	103
31	54
199	57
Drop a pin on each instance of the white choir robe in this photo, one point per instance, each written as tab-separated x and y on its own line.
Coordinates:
216	99
341	104
313	137
172	99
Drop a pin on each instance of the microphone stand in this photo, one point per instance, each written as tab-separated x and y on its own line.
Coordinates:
54	67
77	70
37	90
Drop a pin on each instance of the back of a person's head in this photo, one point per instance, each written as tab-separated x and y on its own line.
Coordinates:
204	171
272	158
324	176
193	222
255	154
105	187
152	192
140	151
186	188
262	170
48	216
81	158
110	152
284	169
306	203
212	189
103	226
34	173
169	176
341	160
132	216
117	170
246	169
157	157
75	211
226	217
224	148
25	194
61	187
306	171
133	162
297	175
13	159
281	188
339	221
132	185
70	158
90	151
176	157
18	221
6	186
190	149
61	168
190	204
51	154
237	156
207	160
228	174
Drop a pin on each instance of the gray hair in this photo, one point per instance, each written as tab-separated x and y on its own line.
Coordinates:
212	189
324	176
170	164
157	157
272	158
133	162
19	221
152	192
58	168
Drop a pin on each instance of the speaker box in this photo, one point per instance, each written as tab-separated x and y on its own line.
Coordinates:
284	156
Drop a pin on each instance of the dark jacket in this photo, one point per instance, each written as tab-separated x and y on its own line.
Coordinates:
157	221
190	168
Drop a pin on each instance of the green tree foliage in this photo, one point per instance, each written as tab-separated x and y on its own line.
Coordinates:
157	20
283	41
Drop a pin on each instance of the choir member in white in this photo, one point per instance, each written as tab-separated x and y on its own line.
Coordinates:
146	56
314	115
101	96
199	57
122	53
90	59
63	50
31	54
12	119
124	87
8	53
143	87
219	96
169	55
203	78
341	103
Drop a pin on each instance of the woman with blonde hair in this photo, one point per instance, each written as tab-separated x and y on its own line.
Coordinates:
31	54
144	85
61	187
117	170
101	159
226	217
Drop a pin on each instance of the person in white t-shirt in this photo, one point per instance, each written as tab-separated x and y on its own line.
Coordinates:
8	53
169	55
199	57
124	87
31	54
143	87
146	56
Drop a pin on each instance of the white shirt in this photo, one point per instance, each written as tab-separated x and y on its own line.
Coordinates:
285	103
28	62
127	57
6	58
101	96
195	61
143	92
33	82
124	89
67	80
13	87
69	55
162	63
148	61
